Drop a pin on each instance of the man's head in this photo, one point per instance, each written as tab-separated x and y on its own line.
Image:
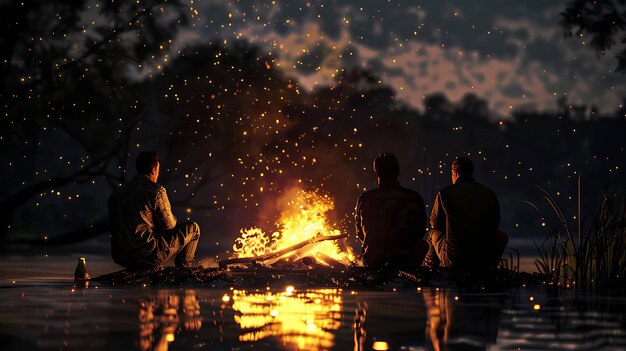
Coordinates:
147	163
386	167
462	167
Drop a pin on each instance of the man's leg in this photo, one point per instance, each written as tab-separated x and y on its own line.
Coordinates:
182	241
189	235
437	249
431	260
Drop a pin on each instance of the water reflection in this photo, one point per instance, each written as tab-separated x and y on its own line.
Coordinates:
300	320
388	321
55	317
565	322
159	318
461	323
432	319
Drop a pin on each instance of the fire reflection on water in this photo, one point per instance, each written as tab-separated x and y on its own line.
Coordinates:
98	319
302	320
311	319
306	320
159	318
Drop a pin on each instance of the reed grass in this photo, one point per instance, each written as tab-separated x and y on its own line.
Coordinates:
592	256
510	260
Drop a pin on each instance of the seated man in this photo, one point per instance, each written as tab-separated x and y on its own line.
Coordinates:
464	223
391	220
144	233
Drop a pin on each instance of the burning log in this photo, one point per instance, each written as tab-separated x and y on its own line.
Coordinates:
296	256
280	253
306	263
329	261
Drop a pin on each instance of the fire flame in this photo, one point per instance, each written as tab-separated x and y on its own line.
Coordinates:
302	217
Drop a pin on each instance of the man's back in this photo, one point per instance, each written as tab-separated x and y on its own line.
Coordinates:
470	214
391	221
136	210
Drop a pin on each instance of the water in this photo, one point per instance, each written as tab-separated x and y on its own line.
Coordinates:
41	309
51	314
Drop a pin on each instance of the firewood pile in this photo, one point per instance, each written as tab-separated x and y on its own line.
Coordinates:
296	266
261	276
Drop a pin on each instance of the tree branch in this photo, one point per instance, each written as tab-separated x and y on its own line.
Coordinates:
87	232
23	195
115	32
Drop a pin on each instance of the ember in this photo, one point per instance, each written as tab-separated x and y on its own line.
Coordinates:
302	218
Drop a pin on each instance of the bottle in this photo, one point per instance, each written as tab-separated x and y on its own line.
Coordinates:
81	270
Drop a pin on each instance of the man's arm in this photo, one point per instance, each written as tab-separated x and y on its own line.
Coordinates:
357	220
438	215
163	217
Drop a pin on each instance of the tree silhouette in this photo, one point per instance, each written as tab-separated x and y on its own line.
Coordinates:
603	20
472	108
225	104
69	99
438	107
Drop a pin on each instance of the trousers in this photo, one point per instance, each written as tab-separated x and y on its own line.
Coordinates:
179	242
489	255
436	254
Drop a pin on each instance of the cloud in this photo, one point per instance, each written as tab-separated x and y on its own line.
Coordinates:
465	72
514	90
512	53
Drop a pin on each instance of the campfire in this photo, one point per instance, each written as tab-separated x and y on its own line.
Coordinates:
303	238
306	250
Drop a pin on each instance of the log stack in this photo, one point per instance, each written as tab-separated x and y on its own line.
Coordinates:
296	265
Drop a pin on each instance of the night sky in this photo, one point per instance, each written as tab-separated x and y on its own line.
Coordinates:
514	54
247	101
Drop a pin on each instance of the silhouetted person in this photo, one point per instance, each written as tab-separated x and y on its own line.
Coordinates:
391	220
464	223
144	233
